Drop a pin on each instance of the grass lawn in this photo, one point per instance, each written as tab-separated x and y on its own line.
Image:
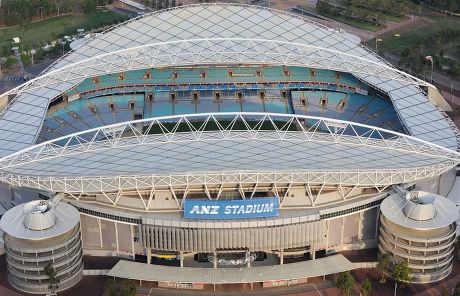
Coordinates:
50	29
358	24
422	29
361	25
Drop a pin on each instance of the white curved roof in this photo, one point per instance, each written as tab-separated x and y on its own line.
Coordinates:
220	34
256	144
13	222
446	212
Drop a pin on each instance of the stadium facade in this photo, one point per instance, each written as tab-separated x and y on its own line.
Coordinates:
228	135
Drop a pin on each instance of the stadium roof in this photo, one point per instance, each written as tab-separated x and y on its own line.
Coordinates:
218	34
227	143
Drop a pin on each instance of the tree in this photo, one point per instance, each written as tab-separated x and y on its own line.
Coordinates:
366	287
384	261
457	290
401	272
53	281
345	282
110	288
128	288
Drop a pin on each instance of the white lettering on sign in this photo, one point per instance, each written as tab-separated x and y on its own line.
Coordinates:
209	210
264	207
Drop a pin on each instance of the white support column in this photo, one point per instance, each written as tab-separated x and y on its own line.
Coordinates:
313	251
342	233
360	225
377	221
116	238
282	257
248	256
327	234
100	233
215	259
132	241
148	253
181	258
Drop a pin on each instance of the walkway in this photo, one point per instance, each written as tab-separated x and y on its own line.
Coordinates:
156	273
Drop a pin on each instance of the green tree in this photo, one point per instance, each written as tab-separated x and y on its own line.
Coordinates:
401	272
110	288
53	281
384	261
457	290
345	282
366	287
128	288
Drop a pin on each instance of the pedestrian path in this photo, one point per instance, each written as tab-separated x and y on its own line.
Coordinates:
11	77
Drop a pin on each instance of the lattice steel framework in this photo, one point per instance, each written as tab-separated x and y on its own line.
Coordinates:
399	158
217	34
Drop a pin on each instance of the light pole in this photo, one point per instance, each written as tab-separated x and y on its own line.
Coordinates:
377	41
430	58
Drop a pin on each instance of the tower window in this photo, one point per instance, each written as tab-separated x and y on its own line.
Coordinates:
258	73
131	105
95	80
174	75
147	75
337	75
203	74
217	95
121	76
112	106
312	72
150	97
172	96
230	73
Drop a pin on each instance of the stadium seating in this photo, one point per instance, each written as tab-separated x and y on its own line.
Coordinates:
150	93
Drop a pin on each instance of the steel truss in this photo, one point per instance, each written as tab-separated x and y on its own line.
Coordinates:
212	51
185	129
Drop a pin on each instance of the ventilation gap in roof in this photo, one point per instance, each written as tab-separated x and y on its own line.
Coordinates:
262	95
239	95
341	105
286	72
284	94
323	102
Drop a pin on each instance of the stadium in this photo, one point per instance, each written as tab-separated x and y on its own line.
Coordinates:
215	136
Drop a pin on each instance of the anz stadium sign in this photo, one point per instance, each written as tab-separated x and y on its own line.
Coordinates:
231	209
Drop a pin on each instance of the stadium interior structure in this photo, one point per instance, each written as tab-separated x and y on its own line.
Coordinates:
177	106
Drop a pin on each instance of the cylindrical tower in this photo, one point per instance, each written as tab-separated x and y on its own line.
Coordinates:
38	233
419	229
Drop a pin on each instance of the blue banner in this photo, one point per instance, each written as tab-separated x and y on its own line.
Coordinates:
231	209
